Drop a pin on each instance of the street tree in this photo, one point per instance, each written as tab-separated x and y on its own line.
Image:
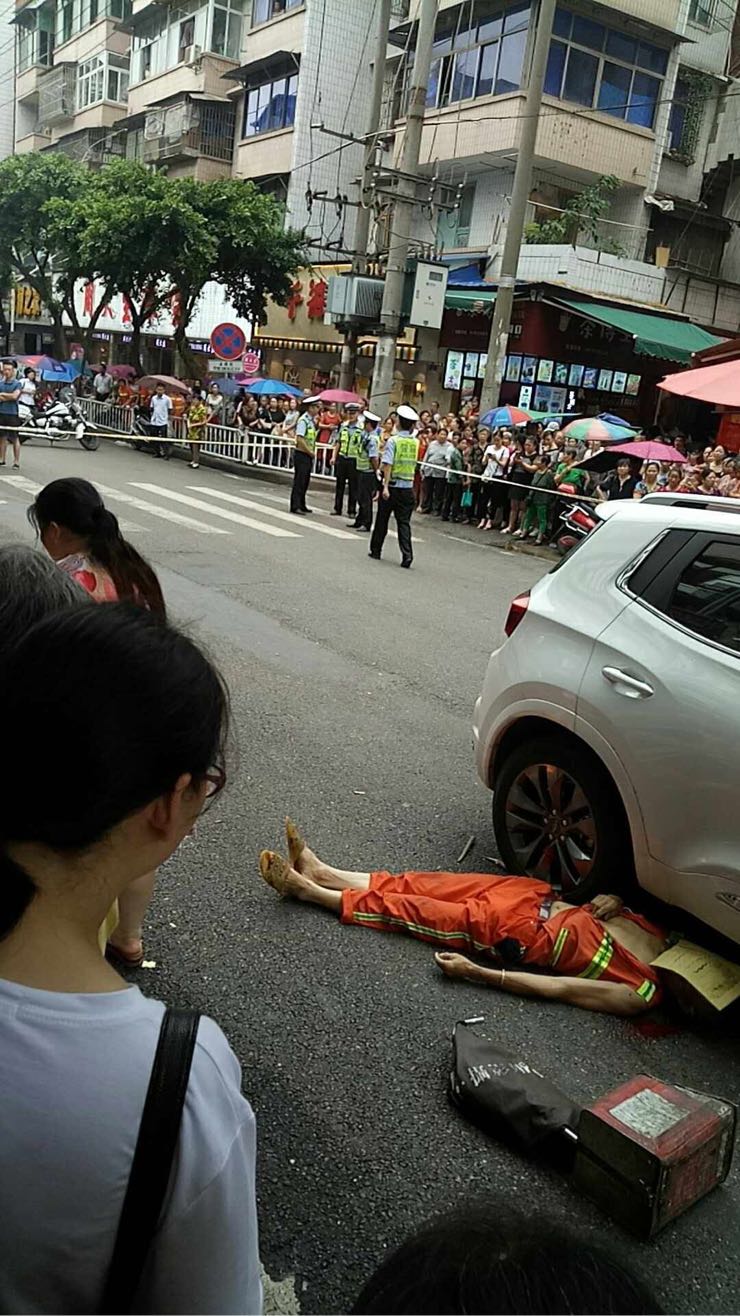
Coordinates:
133	232
251	253
28	239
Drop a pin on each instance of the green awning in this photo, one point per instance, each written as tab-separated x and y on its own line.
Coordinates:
654	335
477	300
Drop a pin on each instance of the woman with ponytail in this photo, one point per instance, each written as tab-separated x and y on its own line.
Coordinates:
85	540
77	1042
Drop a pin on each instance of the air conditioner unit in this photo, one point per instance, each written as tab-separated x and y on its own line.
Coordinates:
354	296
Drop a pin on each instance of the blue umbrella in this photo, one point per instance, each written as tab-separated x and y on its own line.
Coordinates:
608	419
51	370
227	385
273	388
505	416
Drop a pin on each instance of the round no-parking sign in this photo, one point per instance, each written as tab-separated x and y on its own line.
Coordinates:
228	342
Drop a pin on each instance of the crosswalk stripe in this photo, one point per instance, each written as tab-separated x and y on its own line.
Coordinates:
276	531
165	513
272	511
275	498
30	486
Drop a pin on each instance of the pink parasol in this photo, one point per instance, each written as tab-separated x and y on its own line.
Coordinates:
171	384
340	395
649	451
594	430
719	384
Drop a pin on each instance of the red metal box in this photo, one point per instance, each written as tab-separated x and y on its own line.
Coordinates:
647	1151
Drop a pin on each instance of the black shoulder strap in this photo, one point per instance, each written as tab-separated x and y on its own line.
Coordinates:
153	1157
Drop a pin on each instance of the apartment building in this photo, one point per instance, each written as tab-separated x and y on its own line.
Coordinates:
636	89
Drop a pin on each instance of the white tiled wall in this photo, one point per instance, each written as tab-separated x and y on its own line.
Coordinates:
7	70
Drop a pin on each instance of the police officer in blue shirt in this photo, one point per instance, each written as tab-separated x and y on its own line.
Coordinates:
398	466
368	464
346	438
303	456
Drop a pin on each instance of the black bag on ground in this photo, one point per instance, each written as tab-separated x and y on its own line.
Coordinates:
506	1097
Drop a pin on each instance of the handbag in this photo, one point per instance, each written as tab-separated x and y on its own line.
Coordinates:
506	1096
151	1167
467	498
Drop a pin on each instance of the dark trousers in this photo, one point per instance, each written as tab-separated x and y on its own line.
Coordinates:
451	505
401	503
302	467
345	472
367	484
433	492
162	448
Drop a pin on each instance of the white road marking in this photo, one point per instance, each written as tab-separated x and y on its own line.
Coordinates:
272	511
31	487
165	513
274	498
276	531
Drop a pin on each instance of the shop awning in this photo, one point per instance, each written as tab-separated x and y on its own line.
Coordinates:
478	300
719	384
654	335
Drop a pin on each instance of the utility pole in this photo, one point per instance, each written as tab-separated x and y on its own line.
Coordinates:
497	343
403	210
362	226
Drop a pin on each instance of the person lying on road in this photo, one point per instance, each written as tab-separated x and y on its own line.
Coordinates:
601	953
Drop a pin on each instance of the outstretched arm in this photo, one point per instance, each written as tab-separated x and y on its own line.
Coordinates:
608	997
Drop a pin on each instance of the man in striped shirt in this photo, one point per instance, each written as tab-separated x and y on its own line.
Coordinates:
597	956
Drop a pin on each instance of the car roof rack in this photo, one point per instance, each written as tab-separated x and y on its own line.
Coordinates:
696	502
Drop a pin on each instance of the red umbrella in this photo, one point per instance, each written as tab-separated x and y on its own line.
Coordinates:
650	451
340	395
719	384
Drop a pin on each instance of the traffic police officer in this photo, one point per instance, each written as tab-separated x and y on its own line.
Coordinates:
346	444
303	457
368	464
398	465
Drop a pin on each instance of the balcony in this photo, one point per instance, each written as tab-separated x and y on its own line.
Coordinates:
202	73
57	90
665	14
188	130
33	141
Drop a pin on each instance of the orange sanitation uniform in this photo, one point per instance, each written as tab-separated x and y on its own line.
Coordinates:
473	912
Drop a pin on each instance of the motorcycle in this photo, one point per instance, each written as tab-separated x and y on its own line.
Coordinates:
58	422
140	427
578	521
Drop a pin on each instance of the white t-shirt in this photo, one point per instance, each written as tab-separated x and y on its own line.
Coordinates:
103	385
27	398
74	1071
496	457
160	408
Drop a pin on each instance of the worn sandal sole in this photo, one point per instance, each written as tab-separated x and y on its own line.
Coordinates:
274	869
296	843
126	961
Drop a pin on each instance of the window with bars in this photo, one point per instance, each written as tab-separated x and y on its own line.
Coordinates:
593	65
264	10
479	59
270	106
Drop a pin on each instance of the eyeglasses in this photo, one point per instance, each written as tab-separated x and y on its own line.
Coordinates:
216	779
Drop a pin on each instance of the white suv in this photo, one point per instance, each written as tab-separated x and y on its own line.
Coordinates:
608	727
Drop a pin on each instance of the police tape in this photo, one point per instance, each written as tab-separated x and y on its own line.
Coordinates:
262	440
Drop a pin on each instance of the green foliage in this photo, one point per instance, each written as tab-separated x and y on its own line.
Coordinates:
581	215
700	86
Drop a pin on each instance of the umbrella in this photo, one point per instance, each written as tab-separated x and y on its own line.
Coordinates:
340	395
643	450
719	384
120	372
505	416
272	388
592	429
171	384
51	370
613	420
228	385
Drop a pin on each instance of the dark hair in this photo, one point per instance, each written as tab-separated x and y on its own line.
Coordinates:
29	370
77	505
31	587
491	1260
132	703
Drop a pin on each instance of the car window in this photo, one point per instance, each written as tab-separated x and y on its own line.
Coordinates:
706	596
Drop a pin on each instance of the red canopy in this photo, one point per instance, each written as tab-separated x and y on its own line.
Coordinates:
719	384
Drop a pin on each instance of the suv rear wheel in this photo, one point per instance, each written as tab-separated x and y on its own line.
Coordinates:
557	817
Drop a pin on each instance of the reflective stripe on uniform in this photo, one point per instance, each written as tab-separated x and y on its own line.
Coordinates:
601	959
646	990
557	949
359	916
405	453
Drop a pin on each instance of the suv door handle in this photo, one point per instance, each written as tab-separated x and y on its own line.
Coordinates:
631	687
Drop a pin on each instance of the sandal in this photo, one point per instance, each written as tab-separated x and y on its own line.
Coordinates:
120	957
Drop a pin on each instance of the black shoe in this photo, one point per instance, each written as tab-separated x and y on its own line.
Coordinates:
307	511
353	525
375	556
334	512
364	528
297	511
445	518
406	561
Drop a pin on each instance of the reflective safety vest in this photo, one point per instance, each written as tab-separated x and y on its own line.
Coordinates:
309	437
349	441
405	455
363	460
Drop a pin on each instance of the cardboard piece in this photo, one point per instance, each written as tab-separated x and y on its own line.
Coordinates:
716	979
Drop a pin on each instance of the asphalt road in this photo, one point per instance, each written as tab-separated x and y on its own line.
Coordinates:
352	685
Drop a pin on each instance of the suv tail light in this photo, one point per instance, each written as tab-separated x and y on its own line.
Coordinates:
517	611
